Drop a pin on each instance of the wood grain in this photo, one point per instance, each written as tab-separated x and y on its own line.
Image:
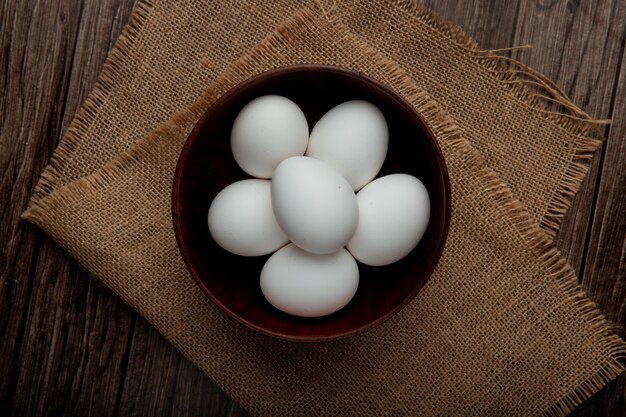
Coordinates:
583	56
69	346
490	23
63	326
604	274
160	382
35	74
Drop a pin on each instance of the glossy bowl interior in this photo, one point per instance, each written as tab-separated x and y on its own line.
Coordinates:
206	166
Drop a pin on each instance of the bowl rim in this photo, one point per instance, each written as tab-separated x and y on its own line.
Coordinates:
259	78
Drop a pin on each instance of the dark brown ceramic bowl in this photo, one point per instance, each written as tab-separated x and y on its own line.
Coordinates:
206	166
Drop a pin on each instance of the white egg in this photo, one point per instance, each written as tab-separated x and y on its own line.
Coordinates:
309	285
352	138
266	131
314	204
393	216
241	219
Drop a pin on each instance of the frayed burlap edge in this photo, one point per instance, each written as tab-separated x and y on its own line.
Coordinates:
40	213
89	110
518	77
574	120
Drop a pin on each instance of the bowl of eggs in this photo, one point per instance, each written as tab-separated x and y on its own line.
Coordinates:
311	203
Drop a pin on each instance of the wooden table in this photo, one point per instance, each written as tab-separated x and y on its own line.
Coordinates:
69	346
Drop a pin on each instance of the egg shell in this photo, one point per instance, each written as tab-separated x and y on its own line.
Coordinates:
314	204
352	138
266	131
309	285
393	216
241	219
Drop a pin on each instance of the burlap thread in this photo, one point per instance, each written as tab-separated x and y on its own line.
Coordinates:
528	341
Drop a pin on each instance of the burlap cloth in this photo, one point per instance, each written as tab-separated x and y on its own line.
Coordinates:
501	328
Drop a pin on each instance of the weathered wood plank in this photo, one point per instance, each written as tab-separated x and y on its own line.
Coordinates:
490	23
593	87
578	45
596	42
71	360
61	342
160	382
604	275
581	50
78	334
34	70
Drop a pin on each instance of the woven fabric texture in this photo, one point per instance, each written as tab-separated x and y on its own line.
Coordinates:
527	342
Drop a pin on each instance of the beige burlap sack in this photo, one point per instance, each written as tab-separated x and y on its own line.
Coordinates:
501	328
157	69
